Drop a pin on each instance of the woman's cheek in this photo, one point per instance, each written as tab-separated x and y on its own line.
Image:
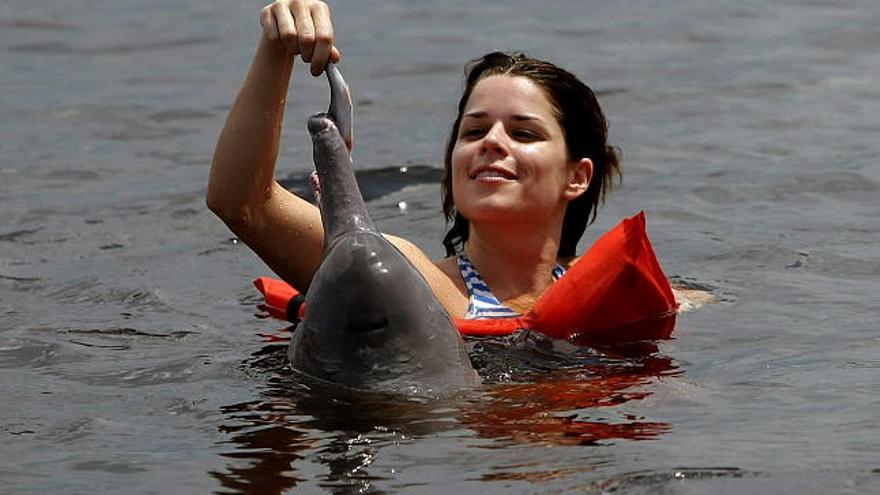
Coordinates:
459	157
460	195
459	168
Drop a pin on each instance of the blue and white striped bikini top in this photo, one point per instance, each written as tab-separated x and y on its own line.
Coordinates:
482	303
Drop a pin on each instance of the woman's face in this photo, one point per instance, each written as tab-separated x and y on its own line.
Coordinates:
510	162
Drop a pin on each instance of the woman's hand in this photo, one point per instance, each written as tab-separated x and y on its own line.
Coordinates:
304	27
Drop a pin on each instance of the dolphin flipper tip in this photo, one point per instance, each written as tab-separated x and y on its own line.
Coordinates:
341	107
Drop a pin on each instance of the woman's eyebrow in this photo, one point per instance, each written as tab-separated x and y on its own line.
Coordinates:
476	114
525	117
480	114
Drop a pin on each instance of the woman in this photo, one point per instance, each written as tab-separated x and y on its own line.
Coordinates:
526	166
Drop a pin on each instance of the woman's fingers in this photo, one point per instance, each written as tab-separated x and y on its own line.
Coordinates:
287	32
278	25
267	22
304	27
320	14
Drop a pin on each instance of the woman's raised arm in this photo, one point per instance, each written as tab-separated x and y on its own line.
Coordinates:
282	229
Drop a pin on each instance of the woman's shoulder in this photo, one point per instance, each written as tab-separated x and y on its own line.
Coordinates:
449	266
442	276
451	289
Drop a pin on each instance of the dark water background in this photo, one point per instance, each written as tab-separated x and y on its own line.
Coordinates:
128	356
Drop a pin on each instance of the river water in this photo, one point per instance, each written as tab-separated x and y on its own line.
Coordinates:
128	349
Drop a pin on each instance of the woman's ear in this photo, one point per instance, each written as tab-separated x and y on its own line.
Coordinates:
579	178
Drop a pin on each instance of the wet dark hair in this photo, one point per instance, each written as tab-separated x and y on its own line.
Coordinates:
582	123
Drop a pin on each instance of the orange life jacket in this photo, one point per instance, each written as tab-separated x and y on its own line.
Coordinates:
616	292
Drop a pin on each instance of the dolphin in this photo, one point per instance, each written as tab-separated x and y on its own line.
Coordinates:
373	323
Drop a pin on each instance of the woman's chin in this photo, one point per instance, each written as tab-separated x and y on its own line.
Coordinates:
499	212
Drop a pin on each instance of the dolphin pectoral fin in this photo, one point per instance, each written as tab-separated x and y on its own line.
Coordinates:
341	108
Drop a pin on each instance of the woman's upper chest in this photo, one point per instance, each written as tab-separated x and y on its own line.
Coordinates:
458	290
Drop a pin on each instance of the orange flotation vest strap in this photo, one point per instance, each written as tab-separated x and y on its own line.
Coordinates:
616	292
282	300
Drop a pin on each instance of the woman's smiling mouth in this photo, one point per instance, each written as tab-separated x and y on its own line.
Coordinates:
492	174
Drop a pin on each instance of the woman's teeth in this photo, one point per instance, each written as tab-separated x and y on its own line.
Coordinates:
492	173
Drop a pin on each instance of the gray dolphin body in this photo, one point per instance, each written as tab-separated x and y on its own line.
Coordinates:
372	323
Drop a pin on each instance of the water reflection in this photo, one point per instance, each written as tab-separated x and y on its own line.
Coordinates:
300	425
538	390
562	408
266	449
279	442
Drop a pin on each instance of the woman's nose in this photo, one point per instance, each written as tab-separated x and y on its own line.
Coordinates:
494	139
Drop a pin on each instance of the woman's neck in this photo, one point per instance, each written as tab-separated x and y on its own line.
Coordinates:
516	261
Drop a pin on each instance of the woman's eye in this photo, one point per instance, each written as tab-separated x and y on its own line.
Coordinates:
524	134
472	132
